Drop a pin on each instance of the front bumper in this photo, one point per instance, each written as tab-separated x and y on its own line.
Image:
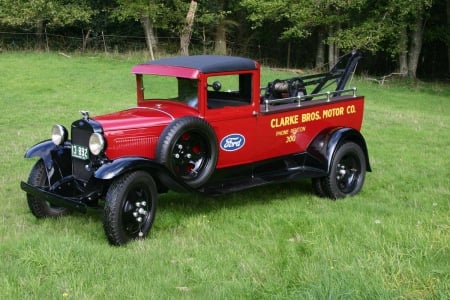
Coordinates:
75	203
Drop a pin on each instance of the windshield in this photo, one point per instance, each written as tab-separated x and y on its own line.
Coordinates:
171	88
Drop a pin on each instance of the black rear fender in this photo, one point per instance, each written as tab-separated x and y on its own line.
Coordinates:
322	148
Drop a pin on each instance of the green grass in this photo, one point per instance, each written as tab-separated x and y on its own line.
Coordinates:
276	242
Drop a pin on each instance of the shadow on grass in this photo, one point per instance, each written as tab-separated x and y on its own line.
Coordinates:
173	209
252	196
185	206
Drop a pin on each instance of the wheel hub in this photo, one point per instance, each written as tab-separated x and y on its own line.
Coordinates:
187	157
140	213
345	176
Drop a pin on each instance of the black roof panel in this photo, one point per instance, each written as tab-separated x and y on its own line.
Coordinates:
208	63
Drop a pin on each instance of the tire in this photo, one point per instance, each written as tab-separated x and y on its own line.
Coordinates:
130	207
41	208
318	188
347	172
188	147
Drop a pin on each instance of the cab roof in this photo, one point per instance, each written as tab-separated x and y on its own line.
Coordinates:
191	66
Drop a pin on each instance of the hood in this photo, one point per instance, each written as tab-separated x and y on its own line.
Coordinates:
139	117
135	131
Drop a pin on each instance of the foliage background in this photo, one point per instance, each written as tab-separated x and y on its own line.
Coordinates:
294	34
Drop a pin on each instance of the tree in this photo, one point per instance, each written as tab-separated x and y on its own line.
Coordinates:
287	19
394	26
149	13
273	30
447	37
411	18
186	32
326	18
175	16
215	17
42	14
335	16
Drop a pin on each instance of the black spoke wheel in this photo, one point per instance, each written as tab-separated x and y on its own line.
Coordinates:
347	172
188	148
41	208
130	207
189	155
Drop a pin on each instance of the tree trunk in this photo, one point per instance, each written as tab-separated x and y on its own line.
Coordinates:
186	32
204	39
403	55
330	55
39	34
147	24
415	46
86	39
448	42
320	54
333	50
288	60
221	39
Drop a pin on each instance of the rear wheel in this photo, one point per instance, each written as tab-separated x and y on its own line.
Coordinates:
319	190
347	172
130	207
41	208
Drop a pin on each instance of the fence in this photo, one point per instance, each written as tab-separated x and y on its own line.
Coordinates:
100	42
95	42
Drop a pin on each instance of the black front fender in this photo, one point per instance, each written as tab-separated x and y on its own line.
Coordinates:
123	165
42	150
54	157
324	145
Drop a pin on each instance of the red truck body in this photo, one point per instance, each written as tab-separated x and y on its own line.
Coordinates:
204	124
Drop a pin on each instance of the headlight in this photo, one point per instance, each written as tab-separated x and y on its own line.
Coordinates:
59	135
96	143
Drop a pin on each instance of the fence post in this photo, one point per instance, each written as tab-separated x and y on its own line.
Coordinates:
104	42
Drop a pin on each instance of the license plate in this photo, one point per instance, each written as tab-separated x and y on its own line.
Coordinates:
80	152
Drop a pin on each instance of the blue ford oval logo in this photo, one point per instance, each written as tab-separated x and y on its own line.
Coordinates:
232	142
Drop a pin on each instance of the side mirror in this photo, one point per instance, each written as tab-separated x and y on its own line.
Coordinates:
216	86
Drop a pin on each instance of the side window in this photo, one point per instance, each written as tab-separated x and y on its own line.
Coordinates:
229	90
188	91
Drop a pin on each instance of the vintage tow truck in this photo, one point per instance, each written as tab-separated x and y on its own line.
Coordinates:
202	124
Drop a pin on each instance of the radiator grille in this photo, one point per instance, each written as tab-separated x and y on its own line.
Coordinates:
81	131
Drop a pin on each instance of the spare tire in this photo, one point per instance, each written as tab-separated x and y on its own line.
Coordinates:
188	147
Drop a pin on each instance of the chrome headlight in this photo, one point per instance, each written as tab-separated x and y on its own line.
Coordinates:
59	135
96	143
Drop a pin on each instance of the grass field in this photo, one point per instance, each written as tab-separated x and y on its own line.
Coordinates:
392	241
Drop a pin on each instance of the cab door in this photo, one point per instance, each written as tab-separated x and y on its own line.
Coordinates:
230	111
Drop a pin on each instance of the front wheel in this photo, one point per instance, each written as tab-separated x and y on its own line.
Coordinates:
130	207
41	208
347	172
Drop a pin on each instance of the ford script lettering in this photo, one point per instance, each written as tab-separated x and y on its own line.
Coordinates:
232	142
